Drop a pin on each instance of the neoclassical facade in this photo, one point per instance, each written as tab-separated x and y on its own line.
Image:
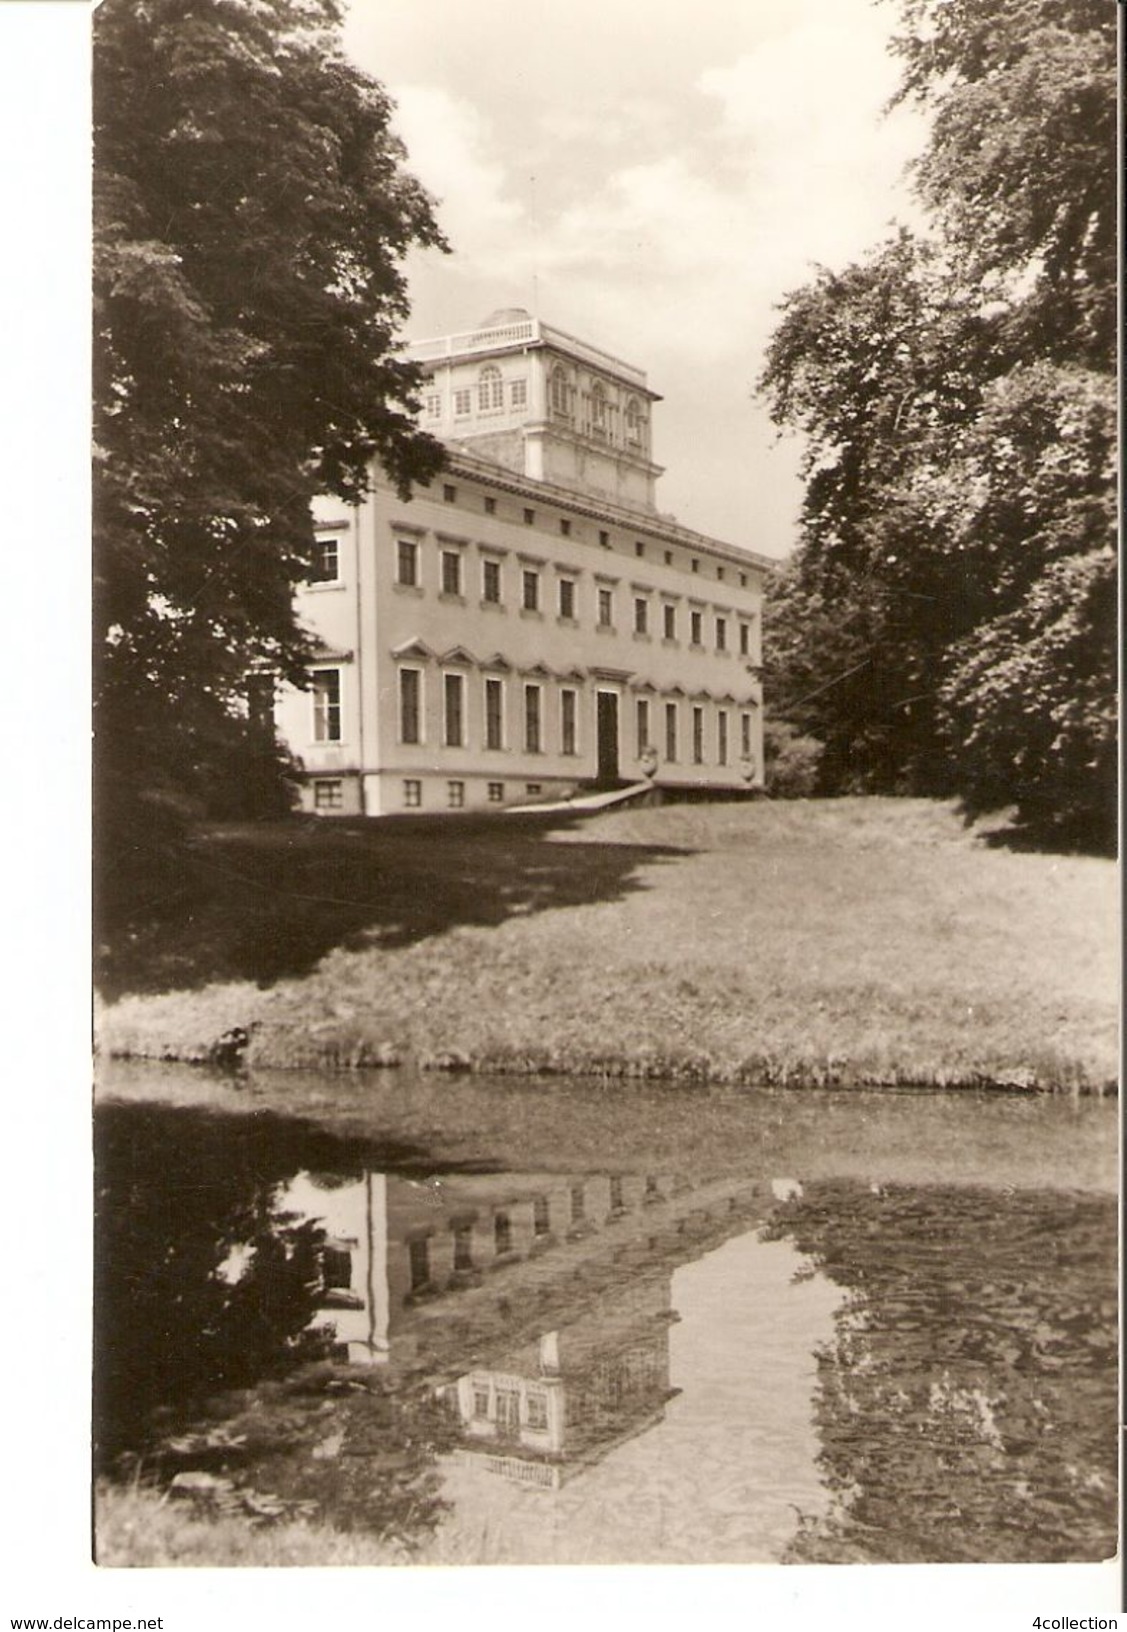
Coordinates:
530	624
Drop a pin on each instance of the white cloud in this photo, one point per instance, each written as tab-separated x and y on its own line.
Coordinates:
449	146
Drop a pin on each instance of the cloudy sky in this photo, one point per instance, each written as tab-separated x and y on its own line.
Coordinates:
652	175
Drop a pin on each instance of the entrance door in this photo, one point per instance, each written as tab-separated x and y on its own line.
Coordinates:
607	704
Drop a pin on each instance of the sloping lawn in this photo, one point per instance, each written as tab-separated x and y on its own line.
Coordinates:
854	941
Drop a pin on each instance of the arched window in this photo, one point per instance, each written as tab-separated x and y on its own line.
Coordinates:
559	394
490	391
598	410
633	422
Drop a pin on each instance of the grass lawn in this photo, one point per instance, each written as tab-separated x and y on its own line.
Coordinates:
852	941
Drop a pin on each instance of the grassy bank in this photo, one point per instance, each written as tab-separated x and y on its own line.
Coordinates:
846	942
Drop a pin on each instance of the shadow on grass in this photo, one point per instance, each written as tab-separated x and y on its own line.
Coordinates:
263	902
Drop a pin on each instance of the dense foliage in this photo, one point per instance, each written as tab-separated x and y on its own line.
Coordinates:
947	624
251	213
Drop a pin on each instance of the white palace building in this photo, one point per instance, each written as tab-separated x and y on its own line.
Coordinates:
530	624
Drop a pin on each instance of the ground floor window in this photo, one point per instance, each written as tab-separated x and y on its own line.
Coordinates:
326	705
502	1233
410	705
496	791
671	731
537	1407
745	735
463	1246
455	795
578	1203
698	736
642	723
494	714
419	1255
481	1400
328	794
533	789
722	737
412	793
541	1216
568	716
532	735
453	708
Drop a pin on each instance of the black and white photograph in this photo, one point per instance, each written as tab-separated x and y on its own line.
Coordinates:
601	661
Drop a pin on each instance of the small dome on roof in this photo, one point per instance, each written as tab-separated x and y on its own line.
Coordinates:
506	314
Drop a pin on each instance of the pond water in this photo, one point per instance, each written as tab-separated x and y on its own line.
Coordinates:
898	1346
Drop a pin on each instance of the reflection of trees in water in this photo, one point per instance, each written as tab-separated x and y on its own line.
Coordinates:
966	1408
203	1282
205	1286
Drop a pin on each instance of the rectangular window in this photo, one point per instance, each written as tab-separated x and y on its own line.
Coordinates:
721	634
451	572
518	393
616	1203
455	795
336	1269
565	527
496	793
533	789
669	622
462	401
578	1203
491	582
568	716
722	737
449	493
326	561
326	705
494	714
641	615
434	405
407	563
745	640
669	558
453	709
604	539
671	731
694	565
567	597
463	1246
529	517
502	1233
642	722
532	719
696	628
410	705
541	1215
328	795
698	736
537	1407
530	591
606	608
508	1410
639	547
412	793
745	735
743	580
418	1253
481	1401
490	505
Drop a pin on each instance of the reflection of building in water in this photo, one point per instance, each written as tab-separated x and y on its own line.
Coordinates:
540	1301
557	1404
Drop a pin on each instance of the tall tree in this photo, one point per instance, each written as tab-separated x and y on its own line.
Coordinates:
956	394
252	212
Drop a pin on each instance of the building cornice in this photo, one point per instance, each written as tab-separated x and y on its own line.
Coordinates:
664	529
